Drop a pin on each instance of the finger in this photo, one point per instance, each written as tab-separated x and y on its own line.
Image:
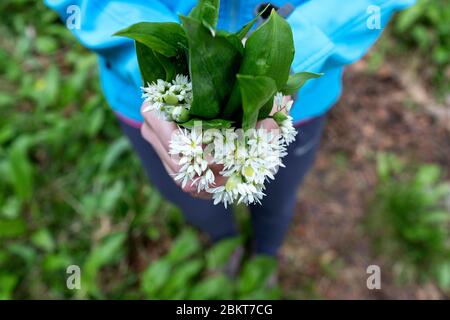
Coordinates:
150	136
203	195
267	124
162	127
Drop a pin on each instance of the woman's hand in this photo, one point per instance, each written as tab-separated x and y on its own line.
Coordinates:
158	133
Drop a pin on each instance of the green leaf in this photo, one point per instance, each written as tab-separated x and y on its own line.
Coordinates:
269	51
245	29
208	124
151	68
179	281
114	152
168	65
107	250
43	240
218	255
215	287
443	276
25	252
255	92
213	64
233	40
206	11
160	48
20	169
154	66
255	274
297	80
184	246
428	175
104	253
8	282
11	228
166	38
154	277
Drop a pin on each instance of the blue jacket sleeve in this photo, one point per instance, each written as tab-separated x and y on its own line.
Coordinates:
98	21
341	34
329	34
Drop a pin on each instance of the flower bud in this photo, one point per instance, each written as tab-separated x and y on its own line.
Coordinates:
232	182
279	117
180	114
248	172
170	99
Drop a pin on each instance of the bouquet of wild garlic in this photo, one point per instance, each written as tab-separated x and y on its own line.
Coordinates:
216	86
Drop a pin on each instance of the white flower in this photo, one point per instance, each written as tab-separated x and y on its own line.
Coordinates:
180	114
283	119
205	181
165	98
288	132
237	190
187	145
248	163
283	102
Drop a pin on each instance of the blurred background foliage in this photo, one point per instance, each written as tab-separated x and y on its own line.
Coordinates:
67	199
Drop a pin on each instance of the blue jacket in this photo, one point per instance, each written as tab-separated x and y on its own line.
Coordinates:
328	35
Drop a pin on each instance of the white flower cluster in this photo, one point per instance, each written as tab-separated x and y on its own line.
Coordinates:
172	100
283	119
188	146
247	159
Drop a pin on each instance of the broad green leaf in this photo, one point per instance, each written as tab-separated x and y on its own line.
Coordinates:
213	63
255	92
166	38
428	175
255	274
43	240
168	65
20	169
245	29
215	287
11	228
184	246
102	254
297	80
443	276
114	152
179	281
107	250
25	252
8	282
269	51
219	254
208	124
206	11
155	276
151	68
232	39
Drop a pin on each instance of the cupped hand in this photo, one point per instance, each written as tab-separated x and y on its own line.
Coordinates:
158	133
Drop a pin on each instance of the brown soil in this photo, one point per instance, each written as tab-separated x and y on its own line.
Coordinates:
328	250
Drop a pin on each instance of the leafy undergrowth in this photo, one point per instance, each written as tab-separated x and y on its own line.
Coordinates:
66	197
410	222
419	39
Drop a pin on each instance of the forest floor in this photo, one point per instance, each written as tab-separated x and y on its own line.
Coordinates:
328	250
